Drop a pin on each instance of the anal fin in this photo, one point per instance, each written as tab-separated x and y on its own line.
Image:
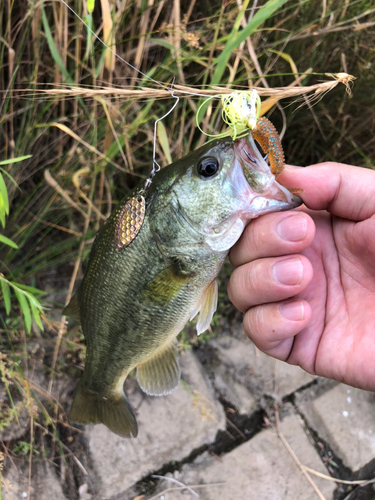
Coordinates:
159	375
206	307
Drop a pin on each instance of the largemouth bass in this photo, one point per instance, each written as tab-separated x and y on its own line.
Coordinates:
141	288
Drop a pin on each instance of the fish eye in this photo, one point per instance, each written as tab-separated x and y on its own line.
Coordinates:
208	167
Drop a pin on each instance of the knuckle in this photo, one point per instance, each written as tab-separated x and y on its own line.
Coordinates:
253	324
261	324
235	289
239	288
257	236
254	319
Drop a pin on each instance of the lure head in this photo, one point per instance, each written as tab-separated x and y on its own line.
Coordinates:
241	111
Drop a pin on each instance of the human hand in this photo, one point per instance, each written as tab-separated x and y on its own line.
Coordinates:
306	279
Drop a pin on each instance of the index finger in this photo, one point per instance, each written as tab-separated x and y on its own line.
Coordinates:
342	190
273	234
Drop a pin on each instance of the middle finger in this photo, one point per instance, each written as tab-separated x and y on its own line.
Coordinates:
269	280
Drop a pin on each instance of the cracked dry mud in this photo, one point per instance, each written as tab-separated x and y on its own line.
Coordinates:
216	437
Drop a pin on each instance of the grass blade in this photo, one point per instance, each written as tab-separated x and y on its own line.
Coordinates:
24	308
89	36
36	315
30	289
4	195
15	160
2	212
6	294
7	241
52	47
162	43
163	139
235	40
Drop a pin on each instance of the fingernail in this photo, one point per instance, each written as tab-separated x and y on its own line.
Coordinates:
288	271
295	311
292	228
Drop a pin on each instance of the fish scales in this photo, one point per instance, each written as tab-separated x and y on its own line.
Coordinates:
122	290
138	292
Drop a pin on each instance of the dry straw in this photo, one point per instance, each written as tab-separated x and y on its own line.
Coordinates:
317	91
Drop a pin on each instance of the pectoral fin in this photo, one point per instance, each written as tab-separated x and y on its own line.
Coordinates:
206	307
160	375
165	285
72	309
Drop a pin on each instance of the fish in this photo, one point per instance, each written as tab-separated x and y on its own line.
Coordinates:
154	265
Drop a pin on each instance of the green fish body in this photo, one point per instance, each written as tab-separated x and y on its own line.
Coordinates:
136	297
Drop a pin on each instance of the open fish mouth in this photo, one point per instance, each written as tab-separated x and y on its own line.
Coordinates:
268	194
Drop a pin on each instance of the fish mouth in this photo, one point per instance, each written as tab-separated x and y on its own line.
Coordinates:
267	195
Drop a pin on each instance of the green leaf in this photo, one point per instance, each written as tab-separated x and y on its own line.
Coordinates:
24	308
15	160
6	294
4	194
7	241
235	39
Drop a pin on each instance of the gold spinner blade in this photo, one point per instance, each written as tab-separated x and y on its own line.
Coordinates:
130	221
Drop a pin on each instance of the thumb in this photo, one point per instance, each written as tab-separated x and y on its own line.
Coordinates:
343	190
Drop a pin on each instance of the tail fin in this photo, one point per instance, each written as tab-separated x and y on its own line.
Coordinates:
112	410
